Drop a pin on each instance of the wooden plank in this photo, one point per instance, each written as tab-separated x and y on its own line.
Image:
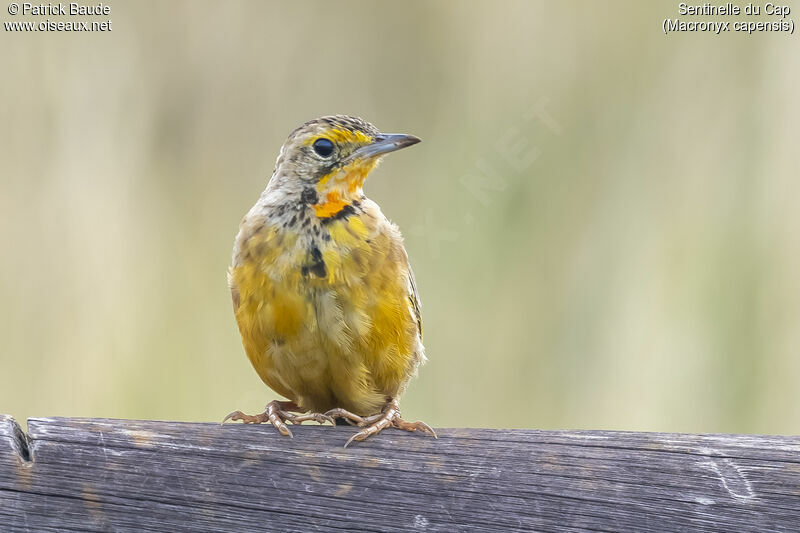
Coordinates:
122	475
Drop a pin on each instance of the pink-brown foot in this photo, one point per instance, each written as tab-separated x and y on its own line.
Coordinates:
278	413
374	424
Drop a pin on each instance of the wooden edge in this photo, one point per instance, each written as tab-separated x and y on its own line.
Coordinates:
713	444
13	437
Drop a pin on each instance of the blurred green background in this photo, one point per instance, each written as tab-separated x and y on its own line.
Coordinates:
603	220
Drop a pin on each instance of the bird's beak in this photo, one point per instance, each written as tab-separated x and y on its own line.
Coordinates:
383	144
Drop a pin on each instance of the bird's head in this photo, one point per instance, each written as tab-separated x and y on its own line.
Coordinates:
325	161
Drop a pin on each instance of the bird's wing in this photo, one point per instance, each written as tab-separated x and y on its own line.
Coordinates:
413	296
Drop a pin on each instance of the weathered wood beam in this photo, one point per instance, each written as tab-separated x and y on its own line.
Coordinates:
122	475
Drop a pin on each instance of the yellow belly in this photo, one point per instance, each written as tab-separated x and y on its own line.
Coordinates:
343	337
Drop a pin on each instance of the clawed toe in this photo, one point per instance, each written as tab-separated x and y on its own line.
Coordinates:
319	418
278	413
420	426
247	419
344	414
390	417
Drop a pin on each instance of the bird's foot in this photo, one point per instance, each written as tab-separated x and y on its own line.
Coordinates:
374	424
278	413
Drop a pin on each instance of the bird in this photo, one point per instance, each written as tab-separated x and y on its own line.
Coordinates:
323	292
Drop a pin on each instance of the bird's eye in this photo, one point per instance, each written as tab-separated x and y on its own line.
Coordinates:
323	147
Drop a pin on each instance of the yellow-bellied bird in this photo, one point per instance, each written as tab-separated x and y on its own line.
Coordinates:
322	290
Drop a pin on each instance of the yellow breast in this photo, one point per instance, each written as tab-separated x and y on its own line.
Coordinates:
328	319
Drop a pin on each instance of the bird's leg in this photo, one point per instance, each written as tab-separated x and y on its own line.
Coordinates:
278	413
374	424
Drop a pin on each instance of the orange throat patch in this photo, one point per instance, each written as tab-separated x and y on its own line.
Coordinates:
339	189
330	205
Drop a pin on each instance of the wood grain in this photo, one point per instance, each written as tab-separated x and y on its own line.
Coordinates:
121	475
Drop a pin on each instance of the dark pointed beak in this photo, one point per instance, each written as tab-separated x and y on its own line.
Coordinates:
383	144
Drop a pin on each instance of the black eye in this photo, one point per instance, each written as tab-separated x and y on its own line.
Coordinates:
323	147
